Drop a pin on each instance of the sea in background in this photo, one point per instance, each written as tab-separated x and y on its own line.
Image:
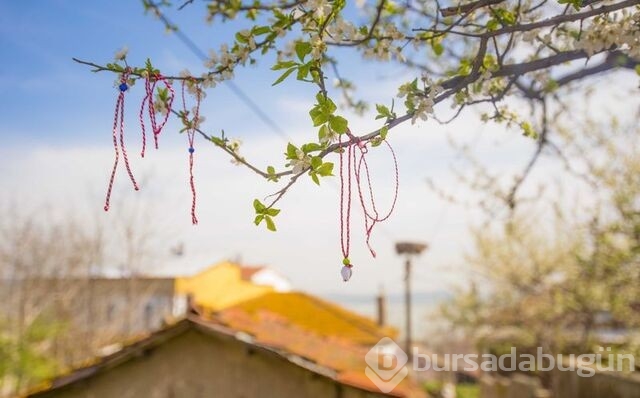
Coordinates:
424	305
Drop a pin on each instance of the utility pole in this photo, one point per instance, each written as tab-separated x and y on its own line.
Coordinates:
409	250
381	306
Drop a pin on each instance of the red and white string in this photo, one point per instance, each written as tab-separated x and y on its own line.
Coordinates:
118	130
150	86
191	138
355	165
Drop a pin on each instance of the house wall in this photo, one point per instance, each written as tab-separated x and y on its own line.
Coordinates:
195	365
517	386
564	384
600	385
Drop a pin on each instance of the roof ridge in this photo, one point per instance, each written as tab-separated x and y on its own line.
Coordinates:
362	321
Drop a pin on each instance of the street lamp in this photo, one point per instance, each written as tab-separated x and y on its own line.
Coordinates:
409	250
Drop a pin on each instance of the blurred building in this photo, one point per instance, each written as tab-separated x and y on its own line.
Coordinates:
90	312
226	284
201	357
227	288
246	334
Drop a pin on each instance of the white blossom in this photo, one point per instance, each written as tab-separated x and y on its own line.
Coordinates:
302	162
121	54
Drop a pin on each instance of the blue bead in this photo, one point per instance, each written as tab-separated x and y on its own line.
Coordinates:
191	150
123	87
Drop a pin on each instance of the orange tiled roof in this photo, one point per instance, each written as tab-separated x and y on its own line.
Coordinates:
342	355
317	315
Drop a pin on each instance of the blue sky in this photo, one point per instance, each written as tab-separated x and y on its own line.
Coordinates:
56	152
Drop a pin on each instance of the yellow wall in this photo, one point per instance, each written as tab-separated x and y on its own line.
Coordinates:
220	287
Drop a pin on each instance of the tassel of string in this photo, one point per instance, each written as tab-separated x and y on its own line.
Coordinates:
345	210
149	102
118	127
372	216
148	91
191	137
345	201
194	219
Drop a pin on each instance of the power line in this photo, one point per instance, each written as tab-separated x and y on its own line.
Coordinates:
191	45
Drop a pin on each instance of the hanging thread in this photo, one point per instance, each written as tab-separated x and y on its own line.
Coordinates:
192	125
118	126
372	216
150	85
345	214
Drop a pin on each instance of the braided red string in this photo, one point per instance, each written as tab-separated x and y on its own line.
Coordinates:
122	145
191	137
157	128
345	218
149	102
118	127
115	148
194	219
148	94
371	216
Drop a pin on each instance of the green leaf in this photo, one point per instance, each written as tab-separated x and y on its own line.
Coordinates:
271	174
338	124
163	94
258	206
311	147
241	39
303	48
260	30
492	25
383	112
507	17
437	47
323	132
318	116
272	212
292	151
314	177
271	226
384	131
575	3
316	162
326	103
284	65
325	170
303	71
528	131
258	219
284	76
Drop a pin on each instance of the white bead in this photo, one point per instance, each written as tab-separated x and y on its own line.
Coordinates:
346	273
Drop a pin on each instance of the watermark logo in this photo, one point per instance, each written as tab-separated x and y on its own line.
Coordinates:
386	364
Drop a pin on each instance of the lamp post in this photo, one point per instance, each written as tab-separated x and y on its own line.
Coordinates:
409	250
